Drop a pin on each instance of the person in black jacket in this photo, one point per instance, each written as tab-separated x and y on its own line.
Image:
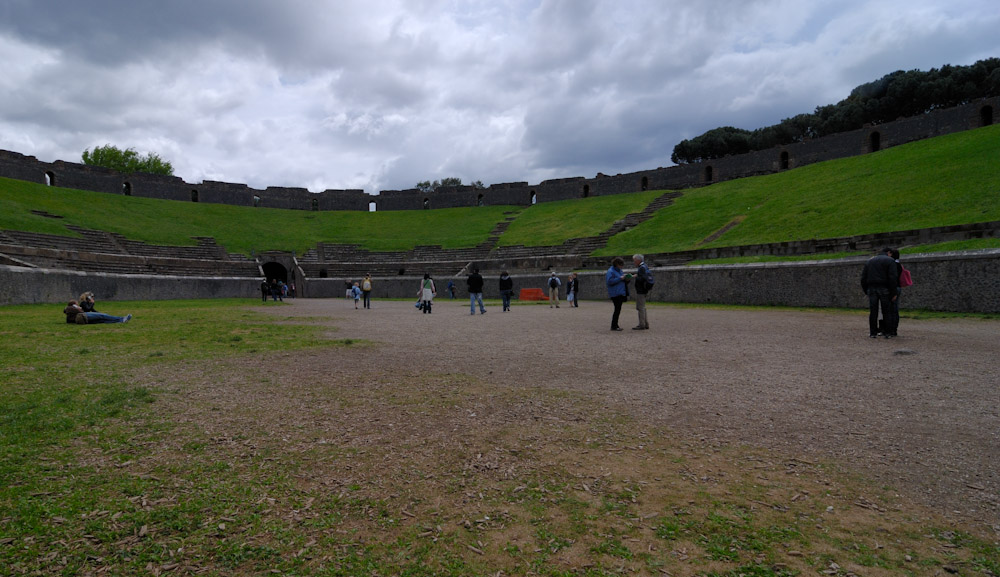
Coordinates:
880	281
506	289
573	289
641	288
475	282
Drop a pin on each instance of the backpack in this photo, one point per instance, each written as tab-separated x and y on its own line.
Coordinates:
367	286
553	282
905	279
646	277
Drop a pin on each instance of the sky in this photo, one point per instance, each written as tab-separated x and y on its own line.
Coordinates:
382	94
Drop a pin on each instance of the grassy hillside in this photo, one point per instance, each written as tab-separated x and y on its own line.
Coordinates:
239	229
552	223
953	179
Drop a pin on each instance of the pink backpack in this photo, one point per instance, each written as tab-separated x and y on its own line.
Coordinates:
905	279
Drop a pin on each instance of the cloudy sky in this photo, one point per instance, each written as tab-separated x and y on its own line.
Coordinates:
381	94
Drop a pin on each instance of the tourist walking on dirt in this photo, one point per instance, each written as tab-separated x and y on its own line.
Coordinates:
506	289
643	282
475	282
366	290
880	280
573	290
554	284
617	282
356	295
427	293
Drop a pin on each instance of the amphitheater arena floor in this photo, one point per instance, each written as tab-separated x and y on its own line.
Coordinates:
920	413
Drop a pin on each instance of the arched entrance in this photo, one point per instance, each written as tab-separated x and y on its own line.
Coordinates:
874	142
783	161
275	271
986	116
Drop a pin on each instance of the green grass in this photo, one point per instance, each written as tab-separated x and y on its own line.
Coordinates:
103	470
239	229
953	179
552	223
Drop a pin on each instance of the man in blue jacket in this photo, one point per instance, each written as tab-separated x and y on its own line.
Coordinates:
617	282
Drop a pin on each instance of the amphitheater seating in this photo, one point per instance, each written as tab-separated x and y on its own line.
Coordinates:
98	251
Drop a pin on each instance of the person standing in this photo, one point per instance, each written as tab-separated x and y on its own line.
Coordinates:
264	290
475	282
366	290
894	255
554	284
506	289
427	293
573	290
617	282
642	286
356	294
879	280
451	288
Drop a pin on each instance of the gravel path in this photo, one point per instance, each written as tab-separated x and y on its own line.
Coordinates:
920	413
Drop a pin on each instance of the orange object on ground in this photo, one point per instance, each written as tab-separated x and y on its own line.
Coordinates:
533	294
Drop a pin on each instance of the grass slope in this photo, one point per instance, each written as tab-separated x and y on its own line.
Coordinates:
953	179
239	229
552	223
948	180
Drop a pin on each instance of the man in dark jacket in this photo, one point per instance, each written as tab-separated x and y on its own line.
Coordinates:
879	280
642	287
475	282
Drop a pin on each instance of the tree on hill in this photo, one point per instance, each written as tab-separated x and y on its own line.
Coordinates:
428	186
896	95
126	161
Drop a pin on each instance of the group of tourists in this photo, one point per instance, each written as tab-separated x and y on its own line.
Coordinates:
277	289
882	280
616	279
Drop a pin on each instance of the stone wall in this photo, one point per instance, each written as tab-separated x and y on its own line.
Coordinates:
959	282
857	142
21	285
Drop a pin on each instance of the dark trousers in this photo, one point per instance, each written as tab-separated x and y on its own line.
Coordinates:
618	302
880	298
367	296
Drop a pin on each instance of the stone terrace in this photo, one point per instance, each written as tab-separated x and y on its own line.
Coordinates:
98	251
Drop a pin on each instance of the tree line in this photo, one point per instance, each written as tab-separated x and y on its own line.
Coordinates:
896	95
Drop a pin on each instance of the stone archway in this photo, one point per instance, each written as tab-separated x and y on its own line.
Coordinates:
275	271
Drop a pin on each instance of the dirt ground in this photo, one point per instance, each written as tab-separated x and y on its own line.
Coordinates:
919	413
